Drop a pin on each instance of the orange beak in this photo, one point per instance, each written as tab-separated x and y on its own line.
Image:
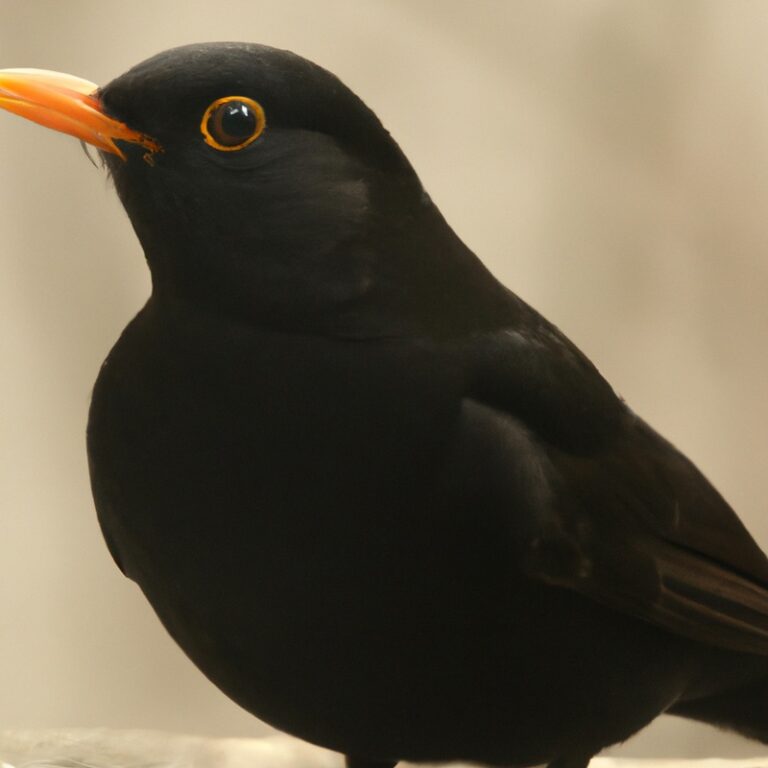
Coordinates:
67	104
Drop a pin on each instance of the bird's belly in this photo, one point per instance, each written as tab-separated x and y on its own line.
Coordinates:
414	645
398	665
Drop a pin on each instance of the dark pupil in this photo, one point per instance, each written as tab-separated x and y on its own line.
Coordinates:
232	123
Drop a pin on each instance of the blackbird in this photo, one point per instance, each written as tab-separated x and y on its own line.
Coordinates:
380	501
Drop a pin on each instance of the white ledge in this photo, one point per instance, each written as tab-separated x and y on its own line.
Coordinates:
104	748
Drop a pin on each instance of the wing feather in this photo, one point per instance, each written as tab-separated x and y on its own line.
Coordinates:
626	520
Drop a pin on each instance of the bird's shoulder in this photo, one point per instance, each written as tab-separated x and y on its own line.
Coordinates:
528	368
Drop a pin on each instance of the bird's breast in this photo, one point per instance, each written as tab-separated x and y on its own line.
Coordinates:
275	497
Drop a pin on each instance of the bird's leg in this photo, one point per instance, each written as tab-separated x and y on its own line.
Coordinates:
571	761
353	761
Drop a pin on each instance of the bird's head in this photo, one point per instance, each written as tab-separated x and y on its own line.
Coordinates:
258	185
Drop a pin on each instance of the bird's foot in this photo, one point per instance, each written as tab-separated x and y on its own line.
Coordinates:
353	761
571	761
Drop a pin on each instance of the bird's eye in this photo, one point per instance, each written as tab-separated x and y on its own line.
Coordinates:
232	123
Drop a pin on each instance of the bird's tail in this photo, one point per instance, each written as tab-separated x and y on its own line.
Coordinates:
743	709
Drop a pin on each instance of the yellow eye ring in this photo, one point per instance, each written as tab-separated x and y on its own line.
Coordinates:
232	123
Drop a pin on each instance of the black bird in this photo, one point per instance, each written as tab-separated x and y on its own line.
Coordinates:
379	501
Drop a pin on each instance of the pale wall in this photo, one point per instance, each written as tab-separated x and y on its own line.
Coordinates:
608	160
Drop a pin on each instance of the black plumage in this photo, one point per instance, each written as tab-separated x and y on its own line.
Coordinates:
380	501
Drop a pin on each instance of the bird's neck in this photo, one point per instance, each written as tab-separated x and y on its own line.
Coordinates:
403	275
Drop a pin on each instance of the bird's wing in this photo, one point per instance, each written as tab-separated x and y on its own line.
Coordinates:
601	504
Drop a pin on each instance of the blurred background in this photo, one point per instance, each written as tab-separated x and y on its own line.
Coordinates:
608	160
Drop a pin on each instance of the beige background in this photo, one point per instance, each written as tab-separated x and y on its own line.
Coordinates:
609	160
